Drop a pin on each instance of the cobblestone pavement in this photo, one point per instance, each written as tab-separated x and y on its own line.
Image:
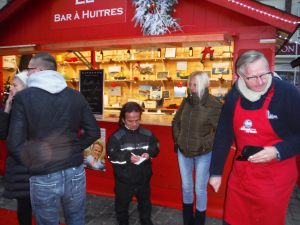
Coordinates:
100	211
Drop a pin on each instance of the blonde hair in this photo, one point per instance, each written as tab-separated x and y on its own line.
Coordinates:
202	82
102	157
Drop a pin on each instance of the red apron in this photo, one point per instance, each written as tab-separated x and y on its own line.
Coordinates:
258	193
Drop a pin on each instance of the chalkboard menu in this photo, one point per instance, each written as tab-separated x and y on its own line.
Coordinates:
91	85
166	94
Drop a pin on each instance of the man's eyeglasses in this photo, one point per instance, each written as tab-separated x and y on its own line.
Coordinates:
253	79
28	69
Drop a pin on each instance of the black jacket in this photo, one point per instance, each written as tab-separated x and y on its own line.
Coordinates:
44	128
16	179
120	146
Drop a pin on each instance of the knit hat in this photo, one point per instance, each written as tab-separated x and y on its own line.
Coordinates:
22	76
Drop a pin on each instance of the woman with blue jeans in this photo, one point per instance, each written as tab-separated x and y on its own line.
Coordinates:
194	126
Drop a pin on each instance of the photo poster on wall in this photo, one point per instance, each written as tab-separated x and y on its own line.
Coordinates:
180	92
181	66
94	155
162	75
114	91
220	68
112	70
155	93
147	69
208	73
91	86
220	93
145	89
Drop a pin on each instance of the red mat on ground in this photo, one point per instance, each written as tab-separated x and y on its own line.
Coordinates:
10	217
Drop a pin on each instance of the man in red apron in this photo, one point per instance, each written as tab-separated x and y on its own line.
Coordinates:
259	111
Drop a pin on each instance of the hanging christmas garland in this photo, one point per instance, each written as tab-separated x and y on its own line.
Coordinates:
221	79
166	60
155	16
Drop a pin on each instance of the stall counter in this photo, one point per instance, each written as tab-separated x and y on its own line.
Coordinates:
149	119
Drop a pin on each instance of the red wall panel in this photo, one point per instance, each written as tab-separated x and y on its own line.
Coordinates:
33	23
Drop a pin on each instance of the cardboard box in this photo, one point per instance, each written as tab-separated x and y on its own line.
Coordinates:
150	104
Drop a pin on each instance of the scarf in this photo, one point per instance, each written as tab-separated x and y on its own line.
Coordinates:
252	95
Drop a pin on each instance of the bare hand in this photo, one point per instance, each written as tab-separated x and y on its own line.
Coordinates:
215	183
8	103
145	155
94	162
134	158
265	155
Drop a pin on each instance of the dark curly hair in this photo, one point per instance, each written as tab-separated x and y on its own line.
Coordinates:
129	107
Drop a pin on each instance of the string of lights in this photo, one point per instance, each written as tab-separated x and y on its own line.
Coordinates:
263	12
290	40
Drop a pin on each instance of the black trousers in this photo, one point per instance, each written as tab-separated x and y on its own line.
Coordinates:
24	211
124	194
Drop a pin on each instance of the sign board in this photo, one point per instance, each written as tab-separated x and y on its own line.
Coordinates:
166	94
94	155
79	13
91	85
289	49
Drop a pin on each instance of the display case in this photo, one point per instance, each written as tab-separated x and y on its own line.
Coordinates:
145	68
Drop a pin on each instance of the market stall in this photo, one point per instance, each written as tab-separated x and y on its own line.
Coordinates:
143	63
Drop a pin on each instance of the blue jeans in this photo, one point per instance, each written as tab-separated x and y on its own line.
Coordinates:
46	191
186	166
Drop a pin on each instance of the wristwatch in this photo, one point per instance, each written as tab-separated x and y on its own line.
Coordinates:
277	154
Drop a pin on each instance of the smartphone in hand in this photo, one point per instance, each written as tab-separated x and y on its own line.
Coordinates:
247	151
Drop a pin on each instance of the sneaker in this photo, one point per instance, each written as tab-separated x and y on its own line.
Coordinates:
146	221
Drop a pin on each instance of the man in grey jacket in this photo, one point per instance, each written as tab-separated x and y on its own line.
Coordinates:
43	136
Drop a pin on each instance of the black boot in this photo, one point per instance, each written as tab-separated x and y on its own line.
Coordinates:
200	217
123	222
146	221
188	214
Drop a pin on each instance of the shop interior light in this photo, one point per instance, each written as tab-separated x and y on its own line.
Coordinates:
101	55
191	51
128	54
158	53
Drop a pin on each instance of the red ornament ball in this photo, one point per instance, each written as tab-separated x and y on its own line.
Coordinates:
151	11
153	6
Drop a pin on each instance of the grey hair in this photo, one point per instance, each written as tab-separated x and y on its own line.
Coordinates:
44	61
202	82
24	86
247	58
